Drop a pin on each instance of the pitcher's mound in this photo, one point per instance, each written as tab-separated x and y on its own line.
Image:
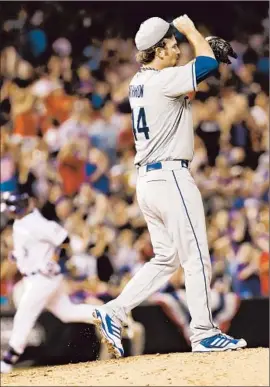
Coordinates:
249	367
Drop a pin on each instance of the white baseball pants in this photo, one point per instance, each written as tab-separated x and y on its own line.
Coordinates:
172	206
40	293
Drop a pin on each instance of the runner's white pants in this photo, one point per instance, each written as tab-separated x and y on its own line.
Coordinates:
172	206
40	292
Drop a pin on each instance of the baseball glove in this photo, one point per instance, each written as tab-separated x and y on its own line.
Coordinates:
221	48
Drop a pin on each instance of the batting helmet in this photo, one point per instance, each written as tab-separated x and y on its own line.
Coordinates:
16	203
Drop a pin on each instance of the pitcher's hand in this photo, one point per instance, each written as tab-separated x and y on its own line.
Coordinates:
184	24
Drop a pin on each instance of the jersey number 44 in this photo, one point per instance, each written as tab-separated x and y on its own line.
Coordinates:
139	124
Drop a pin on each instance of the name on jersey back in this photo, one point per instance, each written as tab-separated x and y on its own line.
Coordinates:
136	91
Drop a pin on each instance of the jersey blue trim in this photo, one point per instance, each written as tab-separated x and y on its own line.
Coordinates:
204	67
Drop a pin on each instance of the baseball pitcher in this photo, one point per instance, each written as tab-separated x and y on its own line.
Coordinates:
167	194
37	246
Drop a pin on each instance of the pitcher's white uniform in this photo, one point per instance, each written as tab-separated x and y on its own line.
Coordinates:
167	194
35	242
162	98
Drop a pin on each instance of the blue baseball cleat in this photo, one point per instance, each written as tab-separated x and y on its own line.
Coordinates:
110	330
219	343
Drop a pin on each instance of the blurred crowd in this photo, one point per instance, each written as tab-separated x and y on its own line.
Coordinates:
66	139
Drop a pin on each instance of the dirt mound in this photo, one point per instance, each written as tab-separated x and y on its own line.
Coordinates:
248	367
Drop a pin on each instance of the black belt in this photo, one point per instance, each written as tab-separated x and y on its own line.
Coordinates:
158	165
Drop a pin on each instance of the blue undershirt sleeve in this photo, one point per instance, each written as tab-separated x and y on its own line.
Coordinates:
205	66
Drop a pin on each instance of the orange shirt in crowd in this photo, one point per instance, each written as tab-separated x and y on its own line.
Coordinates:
59	106
3	288
26	124
125	138
264	273
72	172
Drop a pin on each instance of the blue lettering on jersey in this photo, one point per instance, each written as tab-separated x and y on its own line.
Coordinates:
136	91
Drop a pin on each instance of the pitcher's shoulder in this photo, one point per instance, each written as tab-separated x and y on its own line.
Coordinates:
137	78
145	74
